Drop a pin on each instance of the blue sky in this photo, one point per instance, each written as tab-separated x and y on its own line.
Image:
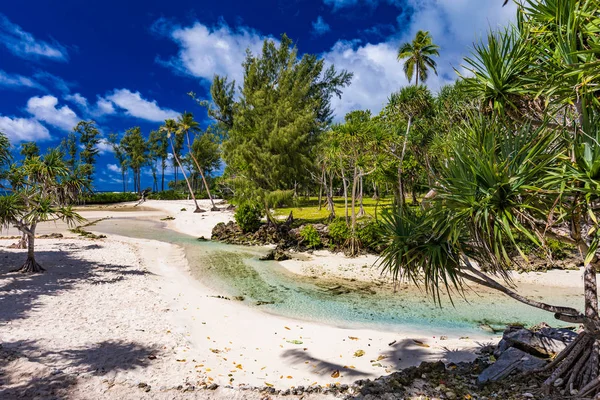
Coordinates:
132	63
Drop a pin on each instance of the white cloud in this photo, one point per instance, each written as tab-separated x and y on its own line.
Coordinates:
77	99
23	129
101	108
104	107
44	109
104	147
113	168
206	51
454	25
24	45
136	106
320	27
17	81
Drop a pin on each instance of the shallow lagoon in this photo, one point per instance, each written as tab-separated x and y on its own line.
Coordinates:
236	271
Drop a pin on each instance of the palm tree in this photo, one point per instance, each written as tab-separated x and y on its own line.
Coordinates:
41	189
417	57
186	124
171	128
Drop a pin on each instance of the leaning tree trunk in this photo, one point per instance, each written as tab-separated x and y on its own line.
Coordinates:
31	266
198	209
361	208
214	207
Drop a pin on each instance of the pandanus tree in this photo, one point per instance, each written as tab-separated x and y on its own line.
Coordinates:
528	166
418	57
171	129
186	125
41	189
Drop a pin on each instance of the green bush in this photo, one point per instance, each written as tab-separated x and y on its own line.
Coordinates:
310	236
248	217
109	197
280	198
369	234
339	231
168	195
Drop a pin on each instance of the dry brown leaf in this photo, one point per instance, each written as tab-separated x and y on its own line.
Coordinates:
335	374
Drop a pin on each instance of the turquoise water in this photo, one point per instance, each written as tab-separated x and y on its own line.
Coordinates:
237	271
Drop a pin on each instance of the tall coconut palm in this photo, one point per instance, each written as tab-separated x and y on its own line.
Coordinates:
418	57
186	124
171	128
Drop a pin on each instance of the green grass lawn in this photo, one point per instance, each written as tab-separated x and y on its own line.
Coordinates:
308	209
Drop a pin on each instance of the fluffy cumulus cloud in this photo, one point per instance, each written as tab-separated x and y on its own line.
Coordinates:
23	129
320	27
136	106
205	51
23	44
45	109
113	168
101	108
454	25
104	147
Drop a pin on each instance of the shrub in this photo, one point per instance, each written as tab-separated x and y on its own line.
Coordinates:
248	217
168	195
369	234
310	236
339	231
280	198
109	197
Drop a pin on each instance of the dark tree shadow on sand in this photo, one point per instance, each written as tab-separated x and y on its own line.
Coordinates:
401	354
39	380
19	293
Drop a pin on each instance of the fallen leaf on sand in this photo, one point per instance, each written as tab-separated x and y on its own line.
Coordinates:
381	358
208	370
181	360
152	357
295	341
289	377
349	367
239	366
359	353
335	374
287	328
419	343
268	384
352	338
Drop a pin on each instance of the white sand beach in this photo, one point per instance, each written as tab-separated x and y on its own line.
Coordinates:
122	318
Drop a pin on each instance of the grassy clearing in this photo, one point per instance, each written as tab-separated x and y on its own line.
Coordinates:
308	209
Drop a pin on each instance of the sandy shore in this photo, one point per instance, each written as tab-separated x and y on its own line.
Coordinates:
114	317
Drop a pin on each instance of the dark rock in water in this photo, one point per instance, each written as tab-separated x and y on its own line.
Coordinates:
262	303
511	360
546	342
202	239
275	255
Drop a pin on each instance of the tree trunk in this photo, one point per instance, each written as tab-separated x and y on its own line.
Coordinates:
400	167
361	208
321	183
330	203
30	266
345	183
214	207
198	209
353	245
162	178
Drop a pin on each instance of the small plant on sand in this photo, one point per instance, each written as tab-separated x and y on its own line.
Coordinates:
310	236
248	217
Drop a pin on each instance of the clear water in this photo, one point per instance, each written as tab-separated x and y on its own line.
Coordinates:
237	271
